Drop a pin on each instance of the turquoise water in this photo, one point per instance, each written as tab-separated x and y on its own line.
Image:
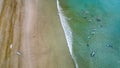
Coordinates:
95	26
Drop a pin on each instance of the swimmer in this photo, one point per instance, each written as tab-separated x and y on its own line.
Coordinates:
92	54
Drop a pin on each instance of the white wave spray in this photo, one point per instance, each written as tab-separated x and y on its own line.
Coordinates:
67	31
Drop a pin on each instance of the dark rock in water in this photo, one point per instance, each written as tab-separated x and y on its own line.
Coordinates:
93	33
85	17
86	12
101	26
92	54
98	19
87	45
109	45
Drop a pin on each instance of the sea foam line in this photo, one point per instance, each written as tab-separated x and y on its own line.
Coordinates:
67	31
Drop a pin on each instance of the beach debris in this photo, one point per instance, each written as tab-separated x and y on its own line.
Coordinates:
11	46
92	54
18	53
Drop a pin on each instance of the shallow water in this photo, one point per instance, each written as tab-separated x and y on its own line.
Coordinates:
95	26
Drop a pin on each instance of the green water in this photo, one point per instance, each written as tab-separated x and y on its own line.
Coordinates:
95	26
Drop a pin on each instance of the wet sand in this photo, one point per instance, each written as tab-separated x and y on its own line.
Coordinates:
39	41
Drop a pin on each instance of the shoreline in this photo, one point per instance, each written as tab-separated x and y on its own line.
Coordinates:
67	31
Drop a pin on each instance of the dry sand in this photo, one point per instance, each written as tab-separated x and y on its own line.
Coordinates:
39	41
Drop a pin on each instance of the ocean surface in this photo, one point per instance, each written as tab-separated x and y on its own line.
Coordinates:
93	32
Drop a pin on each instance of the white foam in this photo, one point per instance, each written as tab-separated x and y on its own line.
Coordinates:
67	31
66	27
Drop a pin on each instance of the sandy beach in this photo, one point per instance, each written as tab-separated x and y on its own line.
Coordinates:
39	40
